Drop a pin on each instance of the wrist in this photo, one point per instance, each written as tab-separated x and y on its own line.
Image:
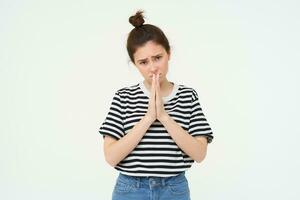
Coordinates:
164	117
148	118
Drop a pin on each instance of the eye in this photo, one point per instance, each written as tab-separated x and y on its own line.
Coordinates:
158	57
142	63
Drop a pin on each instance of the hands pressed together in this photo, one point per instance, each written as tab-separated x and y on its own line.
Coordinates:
156	108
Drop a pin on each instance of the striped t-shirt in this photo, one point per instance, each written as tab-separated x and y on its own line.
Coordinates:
156	154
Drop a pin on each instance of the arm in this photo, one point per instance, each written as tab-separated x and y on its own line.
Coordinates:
195	147
117	150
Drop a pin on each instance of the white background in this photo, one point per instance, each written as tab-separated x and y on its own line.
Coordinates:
61	62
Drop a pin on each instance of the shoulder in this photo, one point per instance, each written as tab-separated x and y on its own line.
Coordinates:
188	90
127	90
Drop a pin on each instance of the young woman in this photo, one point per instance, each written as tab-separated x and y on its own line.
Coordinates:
155	129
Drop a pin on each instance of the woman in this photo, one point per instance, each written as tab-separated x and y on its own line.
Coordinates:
155	129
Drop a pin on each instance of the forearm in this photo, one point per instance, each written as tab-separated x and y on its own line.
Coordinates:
118	150
189	144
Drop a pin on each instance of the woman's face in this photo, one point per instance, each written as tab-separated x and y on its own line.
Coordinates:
152	59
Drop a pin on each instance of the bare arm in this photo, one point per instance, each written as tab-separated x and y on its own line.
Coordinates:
195	147
117	150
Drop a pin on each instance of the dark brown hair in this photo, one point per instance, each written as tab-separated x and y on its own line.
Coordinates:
142	33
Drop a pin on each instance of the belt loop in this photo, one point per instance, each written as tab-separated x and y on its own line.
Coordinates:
138	182
163	181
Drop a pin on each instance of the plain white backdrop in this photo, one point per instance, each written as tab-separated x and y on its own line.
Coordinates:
61	62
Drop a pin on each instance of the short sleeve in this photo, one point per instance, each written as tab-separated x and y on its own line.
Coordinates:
198	124
113	123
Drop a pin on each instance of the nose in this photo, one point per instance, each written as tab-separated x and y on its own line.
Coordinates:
153	68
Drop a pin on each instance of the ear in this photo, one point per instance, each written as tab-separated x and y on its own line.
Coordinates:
169	55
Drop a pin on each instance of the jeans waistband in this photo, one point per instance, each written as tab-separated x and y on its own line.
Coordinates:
150	181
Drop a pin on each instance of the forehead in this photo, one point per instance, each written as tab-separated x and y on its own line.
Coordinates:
148	50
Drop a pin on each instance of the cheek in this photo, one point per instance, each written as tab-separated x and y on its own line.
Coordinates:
143	71
164	70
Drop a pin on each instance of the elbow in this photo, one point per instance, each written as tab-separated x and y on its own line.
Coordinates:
200	157
108	157
201	153
199	160
110	161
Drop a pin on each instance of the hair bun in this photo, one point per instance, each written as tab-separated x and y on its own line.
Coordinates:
137	20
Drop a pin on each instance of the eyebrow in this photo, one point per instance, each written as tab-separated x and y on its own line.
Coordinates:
152	57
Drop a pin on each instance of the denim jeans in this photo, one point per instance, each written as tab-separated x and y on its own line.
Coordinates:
151	188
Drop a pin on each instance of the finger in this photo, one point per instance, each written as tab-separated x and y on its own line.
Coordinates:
157	87
153	86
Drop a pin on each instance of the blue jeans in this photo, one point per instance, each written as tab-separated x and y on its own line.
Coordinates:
151	188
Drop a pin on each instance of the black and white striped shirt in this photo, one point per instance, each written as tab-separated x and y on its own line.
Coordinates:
156	154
